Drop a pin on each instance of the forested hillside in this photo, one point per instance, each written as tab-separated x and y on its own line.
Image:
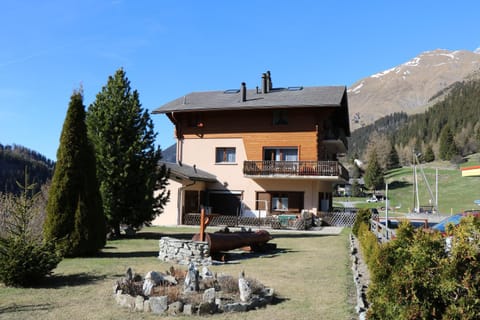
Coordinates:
13	161
458	113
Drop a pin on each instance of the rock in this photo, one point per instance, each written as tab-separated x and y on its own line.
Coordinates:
191	280
206	308
156	277
129	274
147	288
244	287
139	300
235	307
125	300
159	305
209	295
206	273
146	306
175	308
189	310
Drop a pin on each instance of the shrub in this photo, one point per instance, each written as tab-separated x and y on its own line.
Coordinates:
363	215
24	257
25	262
419	276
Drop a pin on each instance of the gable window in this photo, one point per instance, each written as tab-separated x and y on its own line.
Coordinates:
280	117
225	155
280	154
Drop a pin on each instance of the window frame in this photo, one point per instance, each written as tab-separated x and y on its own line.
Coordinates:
225	155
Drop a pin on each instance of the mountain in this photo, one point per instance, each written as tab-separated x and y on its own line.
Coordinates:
170	154
410	87
14	159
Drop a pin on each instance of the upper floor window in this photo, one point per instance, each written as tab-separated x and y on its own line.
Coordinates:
280	117
280	154
225	155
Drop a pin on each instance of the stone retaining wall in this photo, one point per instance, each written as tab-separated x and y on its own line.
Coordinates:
184	251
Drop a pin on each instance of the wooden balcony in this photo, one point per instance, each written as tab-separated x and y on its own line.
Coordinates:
331	170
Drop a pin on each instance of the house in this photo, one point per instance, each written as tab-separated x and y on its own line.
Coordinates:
256	152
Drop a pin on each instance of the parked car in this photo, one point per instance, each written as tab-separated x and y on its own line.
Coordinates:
372	199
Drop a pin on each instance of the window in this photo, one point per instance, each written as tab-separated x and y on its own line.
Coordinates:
225	155
280	117
280	202
280	154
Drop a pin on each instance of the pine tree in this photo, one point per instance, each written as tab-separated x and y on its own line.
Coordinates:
448	148
393	160
373	174
75	217
429	155
124	139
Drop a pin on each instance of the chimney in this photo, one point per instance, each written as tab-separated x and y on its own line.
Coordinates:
243	92
264	83
269	81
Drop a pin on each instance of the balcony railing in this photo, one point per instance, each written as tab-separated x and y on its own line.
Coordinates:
295	168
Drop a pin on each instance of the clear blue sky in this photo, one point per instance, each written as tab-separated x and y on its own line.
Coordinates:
171	48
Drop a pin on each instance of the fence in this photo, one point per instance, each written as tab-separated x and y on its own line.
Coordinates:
341	217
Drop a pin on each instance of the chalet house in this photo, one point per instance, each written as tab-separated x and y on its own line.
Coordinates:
256	152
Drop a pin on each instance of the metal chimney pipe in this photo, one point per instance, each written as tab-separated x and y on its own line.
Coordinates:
243	92
269	81
264	83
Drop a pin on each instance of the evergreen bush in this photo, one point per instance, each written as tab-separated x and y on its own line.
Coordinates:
24	257
24	262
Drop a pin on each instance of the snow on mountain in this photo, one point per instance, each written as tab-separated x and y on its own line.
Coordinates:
409	86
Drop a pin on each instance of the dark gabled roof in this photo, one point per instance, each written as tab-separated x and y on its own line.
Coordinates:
328	96
183	171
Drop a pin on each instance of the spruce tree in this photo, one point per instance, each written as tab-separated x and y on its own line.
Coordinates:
448	148
393	160
124	139
75	217
429	155
373	174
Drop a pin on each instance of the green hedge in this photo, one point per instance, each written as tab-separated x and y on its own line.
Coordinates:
419	276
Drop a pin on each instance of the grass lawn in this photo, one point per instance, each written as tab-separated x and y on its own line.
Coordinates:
312	277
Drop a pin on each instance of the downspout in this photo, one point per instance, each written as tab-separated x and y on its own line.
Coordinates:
178	135
180	201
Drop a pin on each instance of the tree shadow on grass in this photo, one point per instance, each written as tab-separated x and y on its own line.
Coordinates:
399	184
15	308
133	254
301	235
69	280
158	235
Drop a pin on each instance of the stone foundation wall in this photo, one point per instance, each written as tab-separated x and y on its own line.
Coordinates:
184	251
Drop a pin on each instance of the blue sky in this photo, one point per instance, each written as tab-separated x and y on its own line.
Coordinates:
171	48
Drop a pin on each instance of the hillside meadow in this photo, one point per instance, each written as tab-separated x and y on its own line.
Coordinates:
310	274
455	193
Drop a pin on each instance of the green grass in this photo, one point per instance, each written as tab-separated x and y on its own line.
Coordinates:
312	276
456	193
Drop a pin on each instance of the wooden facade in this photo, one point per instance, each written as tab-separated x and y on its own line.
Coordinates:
305	130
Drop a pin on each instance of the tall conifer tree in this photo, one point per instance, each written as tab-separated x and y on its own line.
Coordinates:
124	139
373	174
75	217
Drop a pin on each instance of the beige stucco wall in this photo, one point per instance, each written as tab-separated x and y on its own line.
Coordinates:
169	217
201	152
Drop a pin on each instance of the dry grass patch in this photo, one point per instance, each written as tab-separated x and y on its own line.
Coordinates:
312	276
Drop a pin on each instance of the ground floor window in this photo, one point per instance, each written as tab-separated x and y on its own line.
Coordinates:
325	201
277	202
